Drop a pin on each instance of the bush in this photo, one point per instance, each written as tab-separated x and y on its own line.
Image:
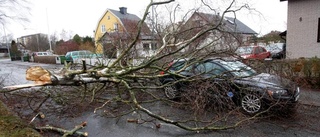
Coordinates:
304	71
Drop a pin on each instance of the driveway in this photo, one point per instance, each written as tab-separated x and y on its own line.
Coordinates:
304	123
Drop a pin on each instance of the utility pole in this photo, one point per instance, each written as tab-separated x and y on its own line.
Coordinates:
153	44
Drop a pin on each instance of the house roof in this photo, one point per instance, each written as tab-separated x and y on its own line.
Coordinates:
239	26
127	20
3	46
127	16
233	24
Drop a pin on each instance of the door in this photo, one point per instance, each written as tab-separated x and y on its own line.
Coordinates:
217	80
261	53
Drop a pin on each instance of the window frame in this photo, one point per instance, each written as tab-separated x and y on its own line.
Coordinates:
318	37
115	26
154	46
146	46
210	68
103	28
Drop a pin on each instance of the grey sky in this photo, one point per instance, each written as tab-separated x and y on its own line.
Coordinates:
81	16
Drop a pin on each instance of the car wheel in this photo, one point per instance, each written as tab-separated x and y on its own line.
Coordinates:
251	103
171	92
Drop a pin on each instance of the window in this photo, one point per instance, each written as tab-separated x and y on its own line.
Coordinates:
154	46
146	46
263	50
199	23
318	38
210	68
115	27
103	28
256	50
108	17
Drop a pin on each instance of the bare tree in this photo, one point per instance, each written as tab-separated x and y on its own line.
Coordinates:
16	10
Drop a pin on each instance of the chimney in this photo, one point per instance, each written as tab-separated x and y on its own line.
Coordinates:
123	10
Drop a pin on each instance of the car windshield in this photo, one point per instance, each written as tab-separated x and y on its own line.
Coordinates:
244	50
238	69
178	65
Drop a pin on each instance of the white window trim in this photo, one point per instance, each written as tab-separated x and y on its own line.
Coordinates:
103	28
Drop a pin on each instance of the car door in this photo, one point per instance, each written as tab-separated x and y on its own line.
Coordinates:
263	53
257	53
218	76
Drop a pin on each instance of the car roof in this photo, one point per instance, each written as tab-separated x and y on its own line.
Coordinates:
252	46
230	58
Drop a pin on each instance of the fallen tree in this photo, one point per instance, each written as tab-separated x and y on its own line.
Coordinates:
136	80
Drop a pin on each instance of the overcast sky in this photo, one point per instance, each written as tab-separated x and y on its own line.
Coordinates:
81	16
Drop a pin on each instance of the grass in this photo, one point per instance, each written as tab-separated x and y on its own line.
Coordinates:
13	126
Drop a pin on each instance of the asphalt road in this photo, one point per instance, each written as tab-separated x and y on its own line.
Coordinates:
305	124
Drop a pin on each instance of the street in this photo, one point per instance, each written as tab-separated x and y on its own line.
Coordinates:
303	123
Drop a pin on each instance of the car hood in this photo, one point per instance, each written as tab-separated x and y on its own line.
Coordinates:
265	80
245	56
275	51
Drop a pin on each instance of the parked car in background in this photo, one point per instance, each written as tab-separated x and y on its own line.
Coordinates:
36	54
250	90
253	52
40	54
277	50
73	55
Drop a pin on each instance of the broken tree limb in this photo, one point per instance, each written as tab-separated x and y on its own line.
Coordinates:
64	77
95	110
65	133
40	115
17	87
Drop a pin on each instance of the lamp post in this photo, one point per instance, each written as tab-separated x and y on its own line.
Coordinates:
48	31
5	36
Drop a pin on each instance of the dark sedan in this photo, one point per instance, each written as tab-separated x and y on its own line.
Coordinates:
277	50
249	89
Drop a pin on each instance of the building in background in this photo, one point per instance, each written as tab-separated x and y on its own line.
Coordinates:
4	50
116	29
34	42
303	28
227	34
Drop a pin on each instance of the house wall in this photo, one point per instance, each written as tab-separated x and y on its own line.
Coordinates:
302	28
108	20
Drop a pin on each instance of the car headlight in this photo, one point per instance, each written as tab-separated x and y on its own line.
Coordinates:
277	93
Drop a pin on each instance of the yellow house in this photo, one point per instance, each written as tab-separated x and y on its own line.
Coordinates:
113	21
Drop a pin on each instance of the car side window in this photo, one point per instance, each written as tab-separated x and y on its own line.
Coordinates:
260	50
82	53
209	68
76	54
257	50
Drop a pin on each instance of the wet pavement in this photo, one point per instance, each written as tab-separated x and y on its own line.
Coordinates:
310	96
